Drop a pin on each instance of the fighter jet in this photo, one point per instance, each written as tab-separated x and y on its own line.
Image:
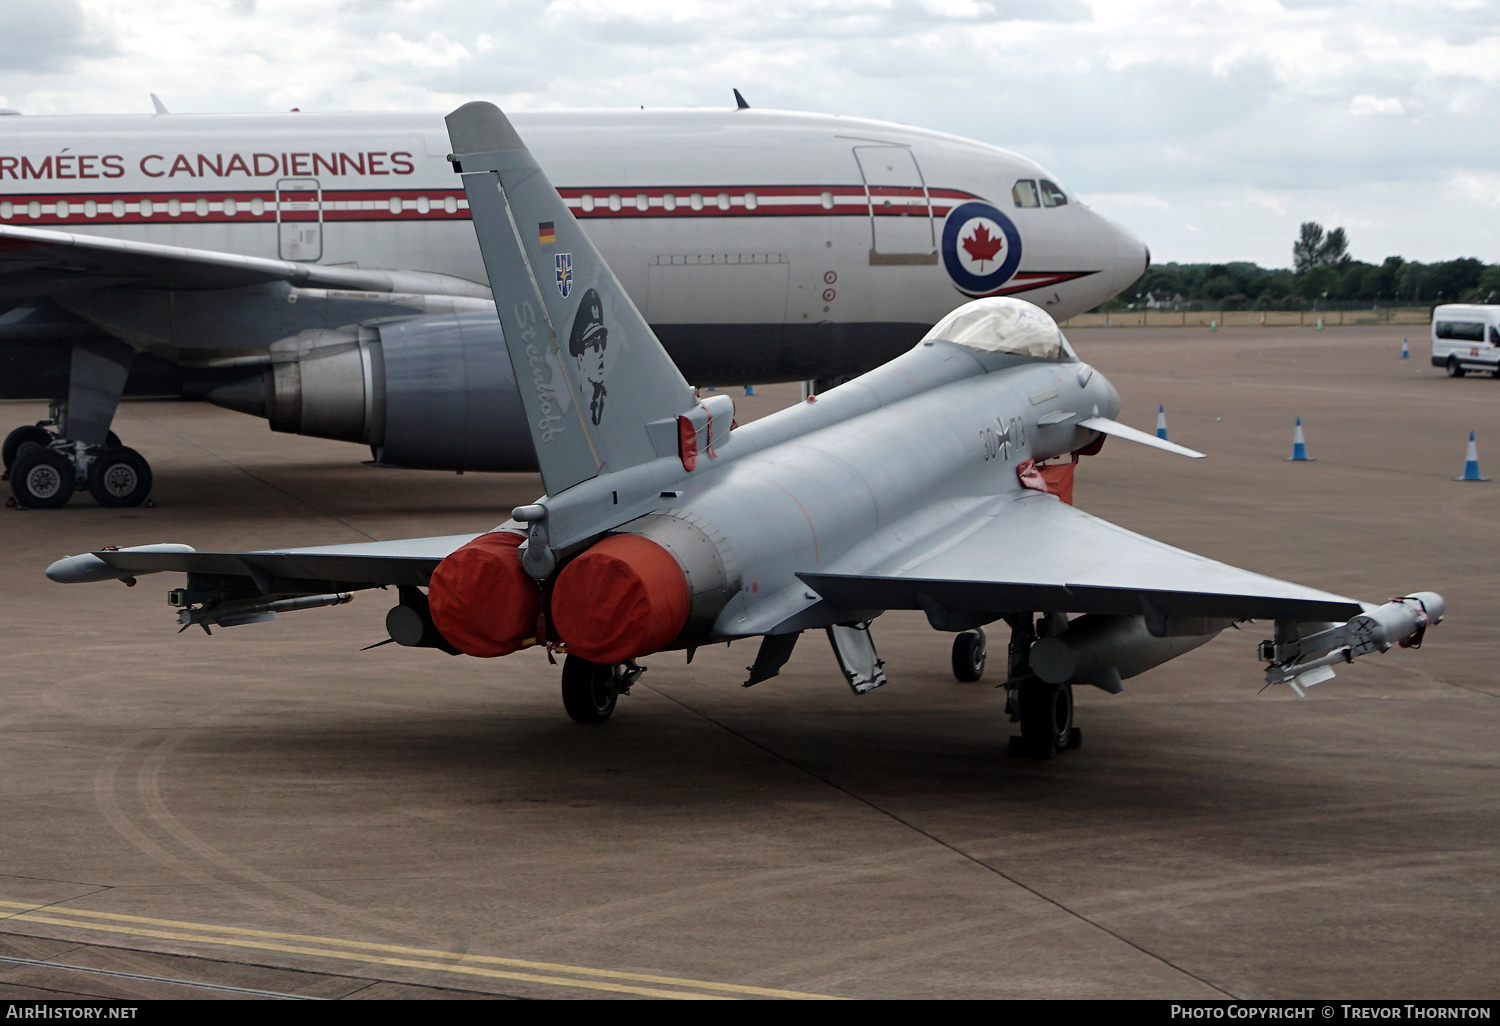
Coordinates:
938	482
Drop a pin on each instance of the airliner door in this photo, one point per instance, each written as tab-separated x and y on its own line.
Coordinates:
901	228
299	219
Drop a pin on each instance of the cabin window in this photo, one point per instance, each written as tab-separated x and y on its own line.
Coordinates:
1461	331
1052	196
1024	193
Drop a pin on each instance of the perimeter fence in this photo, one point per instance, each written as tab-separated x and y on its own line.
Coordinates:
1401	315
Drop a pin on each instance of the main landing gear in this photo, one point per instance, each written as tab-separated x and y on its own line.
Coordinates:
45	469
47	461
1044	711
590	690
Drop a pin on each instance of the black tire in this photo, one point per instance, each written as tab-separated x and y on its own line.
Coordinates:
112	441
119	477
1455	369
1047	717
588	690
23	440
968	656
43	479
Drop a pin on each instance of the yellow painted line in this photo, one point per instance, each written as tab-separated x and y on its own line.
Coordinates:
29	912
467	970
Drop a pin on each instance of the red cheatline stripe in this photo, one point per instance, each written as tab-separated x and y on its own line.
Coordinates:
450	204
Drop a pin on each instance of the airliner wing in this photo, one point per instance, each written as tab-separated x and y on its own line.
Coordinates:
37	261
1034	553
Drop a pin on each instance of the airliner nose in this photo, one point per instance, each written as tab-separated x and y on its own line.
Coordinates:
1132	258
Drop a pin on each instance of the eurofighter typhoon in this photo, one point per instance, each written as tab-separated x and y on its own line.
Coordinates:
940	481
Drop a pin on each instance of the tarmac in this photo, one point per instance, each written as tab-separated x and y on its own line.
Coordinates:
272	812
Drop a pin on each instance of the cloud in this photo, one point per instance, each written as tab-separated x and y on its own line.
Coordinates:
42	36
1241	117
1374	105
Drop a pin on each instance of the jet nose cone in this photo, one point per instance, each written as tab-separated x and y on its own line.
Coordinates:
1132	257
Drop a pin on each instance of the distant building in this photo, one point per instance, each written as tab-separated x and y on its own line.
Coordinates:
1162	300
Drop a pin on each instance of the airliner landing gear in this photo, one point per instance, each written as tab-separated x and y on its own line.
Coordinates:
1046	713
590	690
46	466
24	440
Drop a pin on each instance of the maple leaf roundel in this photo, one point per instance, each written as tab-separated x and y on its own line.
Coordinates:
981	248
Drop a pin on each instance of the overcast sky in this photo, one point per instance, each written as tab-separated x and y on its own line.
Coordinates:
1211	129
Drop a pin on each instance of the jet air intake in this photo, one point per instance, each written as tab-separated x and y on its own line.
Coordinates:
434	392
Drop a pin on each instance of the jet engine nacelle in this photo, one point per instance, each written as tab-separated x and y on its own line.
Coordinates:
433	392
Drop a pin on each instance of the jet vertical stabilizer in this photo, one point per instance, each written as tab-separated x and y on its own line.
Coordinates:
592	373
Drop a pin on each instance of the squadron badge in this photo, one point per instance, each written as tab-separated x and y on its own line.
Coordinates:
565	274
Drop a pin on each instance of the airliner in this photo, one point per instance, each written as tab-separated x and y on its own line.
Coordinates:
320	271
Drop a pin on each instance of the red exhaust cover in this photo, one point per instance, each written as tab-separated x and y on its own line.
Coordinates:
481	599
624	597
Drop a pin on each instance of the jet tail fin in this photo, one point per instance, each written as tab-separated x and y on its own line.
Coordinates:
591	371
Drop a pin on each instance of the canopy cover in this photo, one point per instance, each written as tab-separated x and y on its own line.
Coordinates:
1001	324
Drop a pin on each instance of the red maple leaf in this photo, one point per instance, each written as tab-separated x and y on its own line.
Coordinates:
982	246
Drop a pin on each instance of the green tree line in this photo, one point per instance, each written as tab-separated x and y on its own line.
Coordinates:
1322	272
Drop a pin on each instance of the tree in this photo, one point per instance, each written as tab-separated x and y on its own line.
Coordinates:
1411	280
1317	281
1489	284
1315	248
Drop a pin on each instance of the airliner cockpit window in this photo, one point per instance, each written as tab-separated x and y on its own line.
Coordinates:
1024	193
1052	196
1001	324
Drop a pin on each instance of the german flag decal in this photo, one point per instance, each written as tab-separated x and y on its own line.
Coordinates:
545	233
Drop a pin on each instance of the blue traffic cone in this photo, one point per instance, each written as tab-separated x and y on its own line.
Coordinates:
1405	349
749	389
1161	421
1471	462
1299	445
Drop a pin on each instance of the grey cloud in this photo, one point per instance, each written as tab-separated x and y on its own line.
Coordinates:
46	36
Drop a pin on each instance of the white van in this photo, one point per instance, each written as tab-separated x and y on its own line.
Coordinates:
1466	337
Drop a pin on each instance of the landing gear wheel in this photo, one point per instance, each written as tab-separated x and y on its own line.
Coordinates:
43	479
968	656
120	477
112	441
1455	369
1046	721
23	440
588	690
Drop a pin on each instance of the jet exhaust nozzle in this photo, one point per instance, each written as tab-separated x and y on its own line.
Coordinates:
658	583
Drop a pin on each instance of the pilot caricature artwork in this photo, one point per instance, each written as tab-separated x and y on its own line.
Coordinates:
587	344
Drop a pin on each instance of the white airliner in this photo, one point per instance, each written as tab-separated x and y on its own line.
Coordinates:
319	269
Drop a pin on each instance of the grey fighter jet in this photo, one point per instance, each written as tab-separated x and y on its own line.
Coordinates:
936	482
